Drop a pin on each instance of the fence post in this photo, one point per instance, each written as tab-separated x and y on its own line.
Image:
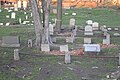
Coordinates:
16	54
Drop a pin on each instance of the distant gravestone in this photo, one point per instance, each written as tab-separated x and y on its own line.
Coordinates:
30	44
16	54
66	13
20	20
67	58
45	47
1	24
74	14
51	29
72	22
106	41
109	29
25	12
7	16
54	39
119	58
31	14
95	26
116	29
10	41
19	4
13	15
54	11
26	16
116	34
41	10
24	4
103	28
7	24
69	40
15	7
0	10
87	40
88	30
89	22
64	48
75	31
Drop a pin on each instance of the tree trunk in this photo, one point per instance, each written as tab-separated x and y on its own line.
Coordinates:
59	16
46	11
37	22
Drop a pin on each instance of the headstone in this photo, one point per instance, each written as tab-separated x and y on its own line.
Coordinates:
109	29
25	13
51	29
45	47
88	30
67	58
30	44
0	10
72	22
119	58
75	31
24	4
15	7
116	34
19	4
20	21
92	47
95	26
41	10
69	40
26	16
1	24
64	48
87	40
116	29
16	54
54	39
66	13
7	24
89	22
9	10
74	14
7	16
54	11
31	14
10	41
106	41
103	28
13	15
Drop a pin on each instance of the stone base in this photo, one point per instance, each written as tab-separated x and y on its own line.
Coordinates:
10	45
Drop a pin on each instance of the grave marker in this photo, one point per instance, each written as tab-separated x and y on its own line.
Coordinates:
30	44
45	47
7	24
51	29
20	21
26	17
24	4
1	24
15	7
67	58
10	41
87	40
19	4
72	22
64	48
88	30
74	14
89	22
13	15
54	11
16	54
95	26
7	16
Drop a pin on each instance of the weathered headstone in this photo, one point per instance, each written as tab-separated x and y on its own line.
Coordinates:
26	16
41	10
95	25
109	29
0	10
54	11
87	40
25	12
30	44
31	14
89	22
67	58
106	41
51	29
69	39
10	41
7	16
64	48
16	54
13	15
45	47
74	14
20	20
75	31
116	29
19	4
7	24
1	24
72	22
116	34
88	30
66	13
24	4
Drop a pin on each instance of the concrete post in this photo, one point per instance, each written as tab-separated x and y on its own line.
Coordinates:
16	54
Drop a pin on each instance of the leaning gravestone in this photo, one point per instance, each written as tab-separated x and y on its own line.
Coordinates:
67	58
10	41
72	22
64	48
45	47
51	29
87	40
95	26
88	30
16	54
13	15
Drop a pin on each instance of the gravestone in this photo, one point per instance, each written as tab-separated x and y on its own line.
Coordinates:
64	48
119	59
19	4
13	15
67	58
95	25
20	21
15	7
7	16
30	44
0	10
7	24
41	10
16	54
24	4
72	22
54	11
88	30
75	31
66	13
89	22
74	14
116	29
1	24
87	40
103	28
106	41
9	10
109	29
25	12
116	34
45	47
69	39
26	17
31	14
51	29
10	41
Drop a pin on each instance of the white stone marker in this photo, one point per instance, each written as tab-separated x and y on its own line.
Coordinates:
26	16
67	58
13	15
89	22
7	24
72	22
1	24
30	44
7	16
24	4
45	47
16	54
64	48
20	20
15	7
19	4
51	30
